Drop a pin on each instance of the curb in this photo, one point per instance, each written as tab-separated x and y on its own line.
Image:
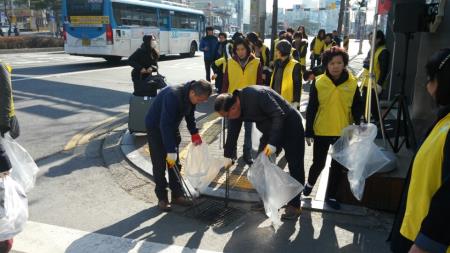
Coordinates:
31	50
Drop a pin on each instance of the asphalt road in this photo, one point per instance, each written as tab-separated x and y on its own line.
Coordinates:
80	203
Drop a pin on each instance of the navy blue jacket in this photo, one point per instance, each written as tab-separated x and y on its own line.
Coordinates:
210	42
166	112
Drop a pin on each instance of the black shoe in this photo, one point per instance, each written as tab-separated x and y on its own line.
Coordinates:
333	203
307	190
248	159
257	207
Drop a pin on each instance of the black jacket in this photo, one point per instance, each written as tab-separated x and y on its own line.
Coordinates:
142	58
313	105
266	108
5	164
435	231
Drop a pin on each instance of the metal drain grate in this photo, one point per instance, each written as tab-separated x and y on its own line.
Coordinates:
214	213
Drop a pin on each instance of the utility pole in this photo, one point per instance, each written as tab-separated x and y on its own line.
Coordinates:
342	7
274	24
362	23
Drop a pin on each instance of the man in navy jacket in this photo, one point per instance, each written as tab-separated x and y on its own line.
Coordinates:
209	45
163	119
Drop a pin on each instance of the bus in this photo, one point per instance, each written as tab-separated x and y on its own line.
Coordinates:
113	29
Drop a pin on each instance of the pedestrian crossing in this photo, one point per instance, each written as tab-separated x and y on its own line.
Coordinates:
45	238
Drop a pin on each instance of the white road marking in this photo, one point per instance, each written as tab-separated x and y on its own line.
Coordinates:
66	74
44	238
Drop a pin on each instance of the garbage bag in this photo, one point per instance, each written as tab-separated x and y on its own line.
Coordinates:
200	167
256	138
24	169
13	208
356	151
274	186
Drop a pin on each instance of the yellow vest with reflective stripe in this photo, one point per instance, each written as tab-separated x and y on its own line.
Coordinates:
221	61
426	179
318	46
335	105
376	67
9	69
238	78
287	86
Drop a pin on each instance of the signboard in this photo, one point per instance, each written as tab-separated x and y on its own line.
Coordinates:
89	20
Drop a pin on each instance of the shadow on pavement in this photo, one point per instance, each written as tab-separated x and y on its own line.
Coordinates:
299	236
162	231
78	97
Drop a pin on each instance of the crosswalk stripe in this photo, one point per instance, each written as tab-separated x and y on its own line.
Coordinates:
45	238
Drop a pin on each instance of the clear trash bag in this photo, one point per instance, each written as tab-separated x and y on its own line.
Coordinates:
13	208
356	151
200	167
256	137
24	169
274	186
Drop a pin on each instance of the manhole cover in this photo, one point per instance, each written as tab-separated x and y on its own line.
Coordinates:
214	213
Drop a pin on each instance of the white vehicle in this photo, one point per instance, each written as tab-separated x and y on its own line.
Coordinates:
113	29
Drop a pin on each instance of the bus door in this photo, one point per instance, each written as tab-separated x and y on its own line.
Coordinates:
164	31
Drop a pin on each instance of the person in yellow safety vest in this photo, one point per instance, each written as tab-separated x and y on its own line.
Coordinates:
281	35
316	48
328	42
422	223
301	49
262	52
301	29
243	70
8	120
286	78
380	69
334	103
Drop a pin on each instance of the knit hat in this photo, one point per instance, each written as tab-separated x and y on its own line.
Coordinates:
284	47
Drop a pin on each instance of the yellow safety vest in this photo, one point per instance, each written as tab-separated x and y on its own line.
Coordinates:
376	67
335	105
9	69
302	59
263	54
221	61
238	78
287	85
326	47
275	42
318	46
426	179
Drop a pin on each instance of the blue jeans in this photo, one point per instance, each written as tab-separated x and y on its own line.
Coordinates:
248	136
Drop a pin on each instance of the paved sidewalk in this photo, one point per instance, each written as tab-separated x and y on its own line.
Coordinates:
136	150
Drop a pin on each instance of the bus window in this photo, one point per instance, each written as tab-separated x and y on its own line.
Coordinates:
184	21
126	14
85	8
164	19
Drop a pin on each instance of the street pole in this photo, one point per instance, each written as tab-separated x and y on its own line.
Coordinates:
274	24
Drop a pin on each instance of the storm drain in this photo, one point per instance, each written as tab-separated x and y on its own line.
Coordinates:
214	213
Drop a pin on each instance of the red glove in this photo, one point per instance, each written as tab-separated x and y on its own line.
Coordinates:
196	139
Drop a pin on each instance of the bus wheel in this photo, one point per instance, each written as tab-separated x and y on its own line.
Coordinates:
113	59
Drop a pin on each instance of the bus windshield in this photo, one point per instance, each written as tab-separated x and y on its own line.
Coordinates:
85	7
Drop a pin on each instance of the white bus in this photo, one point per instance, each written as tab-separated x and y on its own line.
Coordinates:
113	29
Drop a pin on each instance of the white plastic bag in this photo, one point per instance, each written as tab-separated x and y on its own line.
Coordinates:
356	151
274	186
256	137
24	169
13	208
201	168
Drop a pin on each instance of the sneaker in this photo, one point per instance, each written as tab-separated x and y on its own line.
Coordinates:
291	213
248	158
333	203
164	206
181	201
307	190
258	207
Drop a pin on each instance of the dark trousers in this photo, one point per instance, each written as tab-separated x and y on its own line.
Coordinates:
337	171
293	144
158	157
219	82
208	69
373	107
316	61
